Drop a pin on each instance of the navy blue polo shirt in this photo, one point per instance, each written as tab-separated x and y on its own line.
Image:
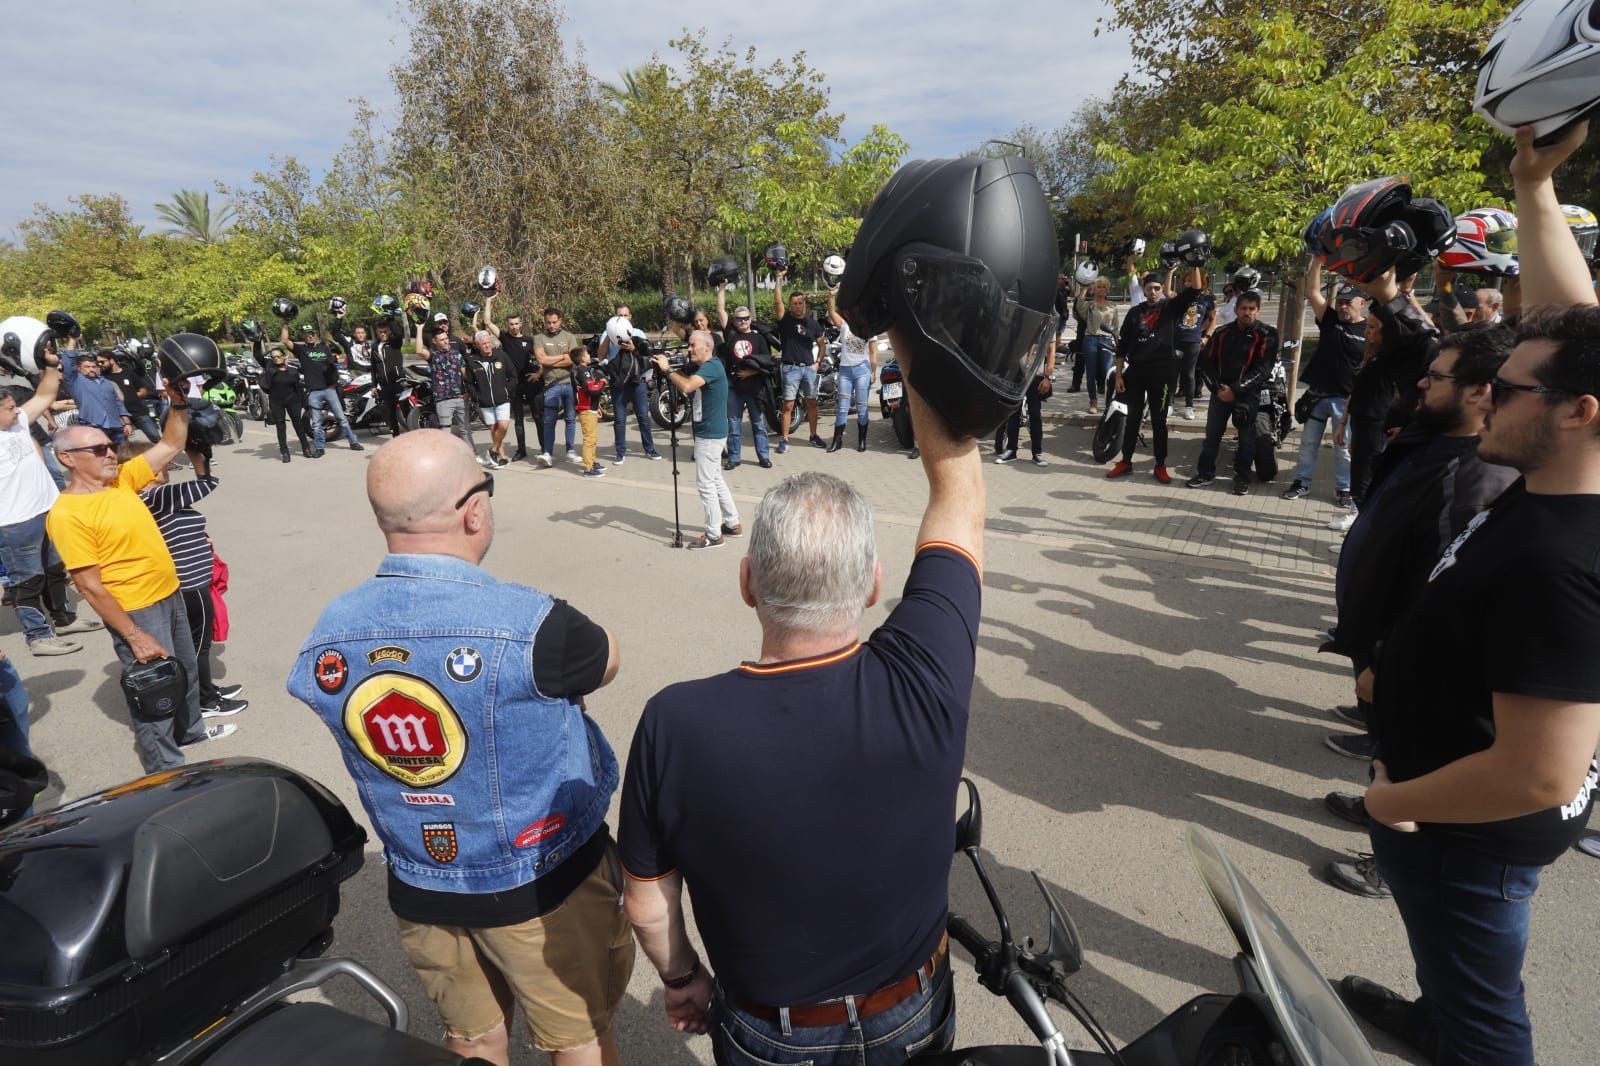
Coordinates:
810	805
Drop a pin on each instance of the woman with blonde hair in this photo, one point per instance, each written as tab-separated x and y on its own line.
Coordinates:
1095	345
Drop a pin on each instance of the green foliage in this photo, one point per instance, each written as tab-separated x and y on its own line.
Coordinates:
190	216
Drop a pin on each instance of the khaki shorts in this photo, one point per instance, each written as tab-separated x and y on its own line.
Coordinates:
567	970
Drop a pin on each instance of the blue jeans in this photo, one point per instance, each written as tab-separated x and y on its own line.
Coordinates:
737	405
34	571
1096	361
13	710
318	400
1466	916
799	381
144	422
562	398
924	1023
1326	409
855	388
637	397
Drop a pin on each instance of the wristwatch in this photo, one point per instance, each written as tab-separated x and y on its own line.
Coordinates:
676	983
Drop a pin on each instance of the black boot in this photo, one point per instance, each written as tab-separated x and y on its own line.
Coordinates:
285	454
861	436
838	439
305	449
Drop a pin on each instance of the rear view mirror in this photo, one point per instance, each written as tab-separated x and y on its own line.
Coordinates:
1065	947
969	827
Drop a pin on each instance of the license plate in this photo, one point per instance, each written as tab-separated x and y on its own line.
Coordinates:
891	391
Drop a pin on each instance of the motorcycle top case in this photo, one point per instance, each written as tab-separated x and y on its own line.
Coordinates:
135	918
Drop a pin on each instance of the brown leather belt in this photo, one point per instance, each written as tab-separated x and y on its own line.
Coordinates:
837	1011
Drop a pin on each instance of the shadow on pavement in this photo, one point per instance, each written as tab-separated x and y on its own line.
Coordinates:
652	527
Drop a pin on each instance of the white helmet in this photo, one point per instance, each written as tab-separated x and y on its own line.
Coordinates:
22	341
488	281
618	329
1542	67
1486	243
1087	273
833	267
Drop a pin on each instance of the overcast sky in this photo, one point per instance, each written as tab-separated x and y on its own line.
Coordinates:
144	97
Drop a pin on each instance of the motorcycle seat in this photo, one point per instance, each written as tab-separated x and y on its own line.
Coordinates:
315	1034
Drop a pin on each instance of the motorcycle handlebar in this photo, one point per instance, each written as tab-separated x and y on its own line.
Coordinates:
962	932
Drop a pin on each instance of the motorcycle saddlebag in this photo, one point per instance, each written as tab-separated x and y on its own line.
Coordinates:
134	918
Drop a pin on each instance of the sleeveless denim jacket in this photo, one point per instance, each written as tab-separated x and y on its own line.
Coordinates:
474	780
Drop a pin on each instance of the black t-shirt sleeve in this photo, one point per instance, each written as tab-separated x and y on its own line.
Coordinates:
1178	306
640	842
932	634
1540	637
569	653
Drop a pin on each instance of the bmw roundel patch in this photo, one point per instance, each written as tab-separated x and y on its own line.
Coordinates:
463	664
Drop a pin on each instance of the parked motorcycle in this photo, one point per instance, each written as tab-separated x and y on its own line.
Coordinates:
415	403
1113	417
168	921
892	401
1284	1014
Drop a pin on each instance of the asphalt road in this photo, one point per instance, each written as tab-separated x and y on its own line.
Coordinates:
1121	694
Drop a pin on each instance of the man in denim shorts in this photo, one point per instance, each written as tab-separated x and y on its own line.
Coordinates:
803	348
488	784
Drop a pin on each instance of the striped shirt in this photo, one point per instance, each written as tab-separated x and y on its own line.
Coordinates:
183	528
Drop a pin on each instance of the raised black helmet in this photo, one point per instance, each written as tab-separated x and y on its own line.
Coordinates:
187	355
285	308
777	257
1193	247
960	256
678	309
724	269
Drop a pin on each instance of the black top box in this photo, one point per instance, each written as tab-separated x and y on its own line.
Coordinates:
136	917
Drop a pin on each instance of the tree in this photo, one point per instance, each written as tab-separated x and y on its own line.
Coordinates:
190	216
1254	168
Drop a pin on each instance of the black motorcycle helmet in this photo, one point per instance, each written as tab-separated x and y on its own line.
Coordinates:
285	309
62	324
188	355
961	255
1366	233
678	309
468	309
1193	247
1433	229
777	257
724	269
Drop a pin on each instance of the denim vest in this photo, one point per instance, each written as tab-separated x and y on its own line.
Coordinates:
474	780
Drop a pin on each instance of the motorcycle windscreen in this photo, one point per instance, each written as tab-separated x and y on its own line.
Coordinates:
957	303
1310	1015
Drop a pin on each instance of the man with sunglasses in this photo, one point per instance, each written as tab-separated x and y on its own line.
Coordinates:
464	726
120	564
1147	365
1486	696
748	360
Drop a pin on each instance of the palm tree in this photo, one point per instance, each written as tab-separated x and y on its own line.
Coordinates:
191	217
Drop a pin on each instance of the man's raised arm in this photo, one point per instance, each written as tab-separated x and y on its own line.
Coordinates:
956	495
1552	268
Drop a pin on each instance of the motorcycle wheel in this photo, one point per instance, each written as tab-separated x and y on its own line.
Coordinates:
255	405
420	418
668	408
608	407
1108	436
232	427
902	426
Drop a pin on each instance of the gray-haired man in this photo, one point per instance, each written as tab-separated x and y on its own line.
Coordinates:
706	385
833	952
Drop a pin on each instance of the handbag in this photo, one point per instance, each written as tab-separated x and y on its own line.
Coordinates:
155	689
219	586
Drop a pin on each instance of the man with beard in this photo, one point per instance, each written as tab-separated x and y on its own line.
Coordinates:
1486	696
1147	365
137	391
1341	342
1427	489
525	388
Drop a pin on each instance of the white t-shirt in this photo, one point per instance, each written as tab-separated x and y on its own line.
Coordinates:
26	488
852	349
1226	313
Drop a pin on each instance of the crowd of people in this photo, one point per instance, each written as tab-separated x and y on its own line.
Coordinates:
1460	439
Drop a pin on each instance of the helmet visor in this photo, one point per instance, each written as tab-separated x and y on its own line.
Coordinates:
1500	242
1354	251
957	304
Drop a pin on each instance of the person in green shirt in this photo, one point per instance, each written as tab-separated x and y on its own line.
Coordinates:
552	350
705	382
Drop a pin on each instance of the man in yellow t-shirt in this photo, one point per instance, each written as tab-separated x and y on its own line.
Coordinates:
119	562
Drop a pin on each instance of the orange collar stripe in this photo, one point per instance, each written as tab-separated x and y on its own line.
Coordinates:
768	669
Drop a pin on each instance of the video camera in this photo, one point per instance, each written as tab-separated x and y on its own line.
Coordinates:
677	358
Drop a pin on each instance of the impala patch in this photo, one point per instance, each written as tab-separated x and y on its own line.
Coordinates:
405	727
439	840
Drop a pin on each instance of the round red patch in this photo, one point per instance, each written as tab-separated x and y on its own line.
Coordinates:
331	671
540	830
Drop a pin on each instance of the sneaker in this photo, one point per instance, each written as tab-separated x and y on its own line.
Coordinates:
1039	460
783	446
1199	480
1352	809
53	646
654	457
729	464
574	457
616	460
1351	713
765	464
486	461
595	471
735	530
1122	469
1005	457
1188	414
213	732
1589	844
500	461
355	446
1352	745
1359	878
916	453
1343	523
224	708
1344	499
1295	490
1241	486
1336	548
1094	410
1384	1009
1162	475
818	442
704	542
544	459
228	692
519	455
82	624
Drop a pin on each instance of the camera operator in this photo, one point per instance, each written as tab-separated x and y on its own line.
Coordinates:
839	954
705	382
